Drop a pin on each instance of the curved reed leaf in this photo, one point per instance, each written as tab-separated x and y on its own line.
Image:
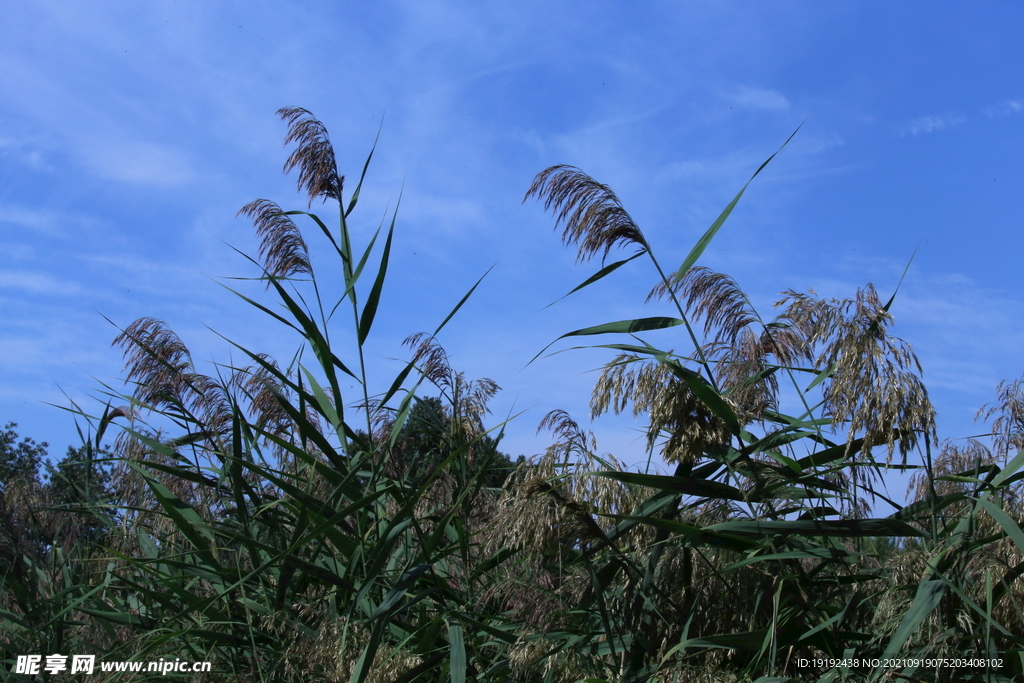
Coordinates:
705	240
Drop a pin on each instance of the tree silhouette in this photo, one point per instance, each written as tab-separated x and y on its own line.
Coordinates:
429	436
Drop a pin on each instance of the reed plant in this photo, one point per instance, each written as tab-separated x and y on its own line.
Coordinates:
262	519
259	521
764	553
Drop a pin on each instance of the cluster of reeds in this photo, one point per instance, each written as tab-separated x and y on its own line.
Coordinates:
263	519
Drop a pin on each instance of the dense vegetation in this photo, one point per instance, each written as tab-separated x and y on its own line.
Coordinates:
263	520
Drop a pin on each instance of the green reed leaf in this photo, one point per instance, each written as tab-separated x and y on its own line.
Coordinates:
463	300
705	392
1006	523
705	240
844	528
599	275
929	593
362	176
619	327
457	643
687	486
373	300
627	326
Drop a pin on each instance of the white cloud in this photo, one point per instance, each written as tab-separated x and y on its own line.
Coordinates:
929	124
36	220
1004	109
759	98
45	222
144	163
812	143
36	283
27	152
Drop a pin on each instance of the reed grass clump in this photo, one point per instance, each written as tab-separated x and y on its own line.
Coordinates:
261	518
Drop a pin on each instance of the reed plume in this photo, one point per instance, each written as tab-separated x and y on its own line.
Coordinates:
282	247
314	155
594	218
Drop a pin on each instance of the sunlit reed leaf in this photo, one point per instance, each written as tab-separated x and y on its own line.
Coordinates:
705	239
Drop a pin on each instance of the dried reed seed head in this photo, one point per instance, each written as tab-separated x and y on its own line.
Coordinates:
568	433
785	343
716	298
381	421
738	373
264	394
157	361
672	407
161	368
875	387
211	401
430	358
738	353
819	321
468	399
693	430
595	221
952	460
887	405
555	498
876	390
1008	427
282	248
122	411
314	156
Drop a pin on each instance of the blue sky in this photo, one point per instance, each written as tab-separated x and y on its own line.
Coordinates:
131	133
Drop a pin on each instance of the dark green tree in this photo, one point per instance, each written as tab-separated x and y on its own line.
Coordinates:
22	532
19	459
429	436
65	509
79	485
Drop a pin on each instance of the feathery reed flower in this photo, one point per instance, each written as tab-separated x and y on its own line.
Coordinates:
594	218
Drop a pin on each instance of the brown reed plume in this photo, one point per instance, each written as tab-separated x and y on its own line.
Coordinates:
282	247
715	297
654	390
314	156
595	220
160	366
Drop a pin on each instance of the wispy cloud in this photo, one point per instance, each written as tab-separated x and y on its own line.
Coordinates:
27	152
44	222
137	162
929	124
935	123
40	221
759	98
1004	109
817	143
37	283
